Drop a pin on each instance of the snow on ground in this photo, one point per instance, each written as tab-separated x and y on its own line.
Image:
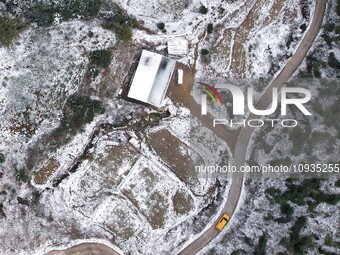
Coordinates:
272	44
255	216
269	48
267	40
316	65
148	200
179	14
318	133
117	193
45	63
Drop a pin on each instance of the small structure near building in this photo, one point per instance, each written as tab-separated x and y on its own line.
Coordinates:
151	79
180	76
178	46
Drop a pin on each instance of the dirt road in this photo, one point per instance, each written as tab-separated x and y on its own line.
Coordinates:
245	134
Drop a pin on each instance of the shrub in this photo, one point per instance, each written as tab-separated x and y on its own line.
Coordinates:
327	39
90	34
238	252
2	158
299	224
121	23
87	9
333	62
317	73
303	27
297	136
337	183
221	10
125	33
210	28
84	105
337	8
10	29
262	246
287	210
203	9
80	110
43	13
35	198
161	26
205	52
314	65
331	199
337	30
21	175
101	58
93	72
329	27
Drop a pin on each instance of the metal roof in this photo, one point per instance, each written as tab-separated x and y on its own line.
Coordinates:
152	77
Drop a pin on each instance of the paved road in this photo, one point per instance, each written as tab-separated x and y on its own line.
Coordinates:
245	134
86	249
239	152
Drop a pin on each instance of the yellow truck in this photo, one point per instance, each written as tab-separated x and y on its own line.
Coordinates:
222	222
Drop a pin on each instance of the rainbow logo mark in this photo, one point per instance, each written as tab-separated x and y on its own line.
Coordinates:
212	93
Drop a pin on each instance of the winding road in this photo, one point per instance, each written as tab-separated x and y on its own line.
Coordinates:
240	149
246	132
86	249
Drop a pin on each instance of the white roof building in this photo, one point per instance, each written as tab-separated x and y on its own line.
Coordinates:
152	77
178	46
180	77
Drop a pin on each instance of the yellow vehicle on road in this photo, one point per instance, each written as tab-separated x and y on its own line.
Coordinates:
222	222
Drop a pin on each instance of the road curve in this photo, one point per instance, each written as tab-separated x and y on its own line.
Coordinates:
245	134
86	248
